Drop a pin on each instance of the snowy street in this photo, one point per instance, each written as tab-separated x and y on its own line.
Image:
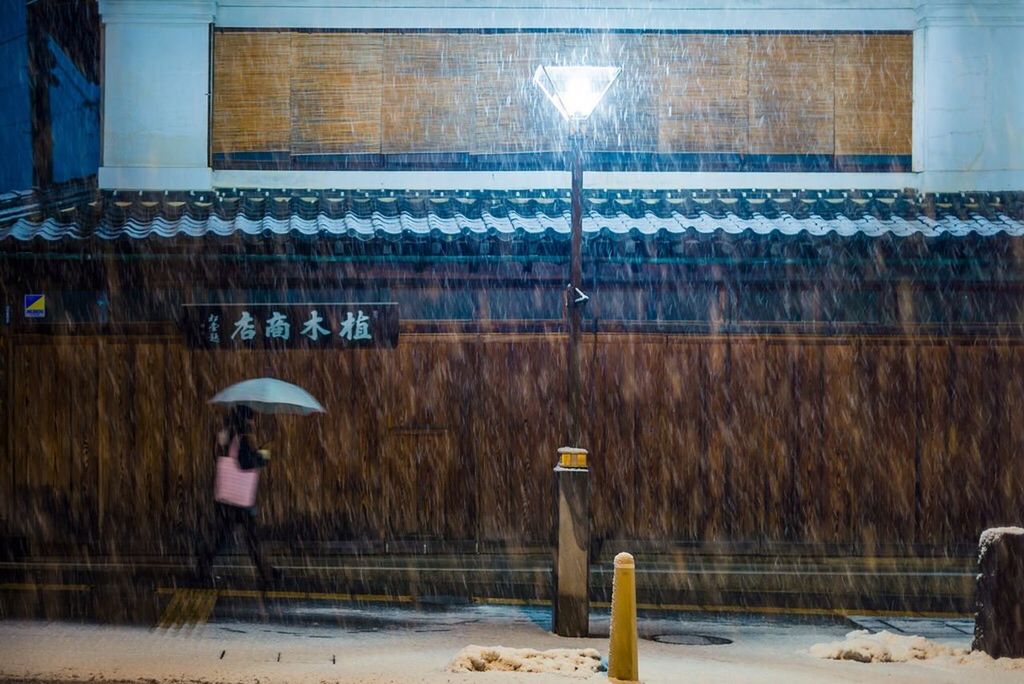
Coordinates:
374	643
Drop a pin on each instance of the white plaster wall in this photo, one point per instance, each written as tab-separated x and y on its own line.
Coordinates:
589	14
155	83
971	103
155	98
968	80
969	95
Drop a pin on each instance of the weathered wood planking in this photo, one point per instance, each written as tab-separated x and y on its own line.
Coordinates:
79	372
251	92
740	439
666	500
1008	471
873	76
806	420
972	424
336	93
700	90
517	426
7	461
749	465
939	484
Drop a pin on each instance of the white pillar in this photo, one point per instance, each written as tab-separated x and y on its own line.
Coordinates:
969	95
156	84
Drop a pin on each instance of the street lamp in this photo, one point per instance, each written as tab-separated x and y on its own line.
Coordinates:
575	91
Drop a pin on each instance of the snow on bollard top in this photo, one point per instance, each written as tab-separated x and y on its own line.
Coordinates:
994	534
624	560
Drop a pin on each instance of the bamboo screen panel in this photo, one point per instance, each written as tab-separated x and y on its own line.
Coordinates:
511	113
701	92
251	111
791	94
873	94
336	92
428	93
627	118
380	93
514	116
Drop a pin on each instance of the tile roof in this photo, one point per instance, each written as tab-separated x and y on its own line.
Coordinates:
392	215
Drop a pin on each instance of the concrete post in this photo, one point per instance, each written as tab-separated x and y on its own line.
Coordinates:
999	598
571	605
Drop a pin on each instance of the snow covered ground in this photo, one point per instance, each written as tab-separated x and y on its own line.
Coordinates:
389	644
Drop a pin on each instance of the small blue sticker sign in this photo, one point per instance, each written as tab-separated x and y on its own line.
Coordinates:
35	306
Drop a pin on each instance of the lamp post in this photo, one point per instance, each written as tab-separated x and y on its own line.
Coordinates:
575	91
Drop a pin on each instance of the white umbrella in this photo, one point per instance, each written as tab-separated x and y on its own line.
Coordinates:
269	395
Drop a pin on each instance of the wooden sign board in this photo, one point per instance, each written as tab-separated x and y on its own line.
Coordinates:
312	325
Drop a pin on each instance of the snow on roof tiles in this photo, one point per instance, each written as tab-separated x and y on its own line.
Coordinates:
381	215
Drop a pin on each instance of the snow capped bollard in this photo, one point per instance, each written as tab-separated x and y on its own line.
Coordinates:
622	655
999	597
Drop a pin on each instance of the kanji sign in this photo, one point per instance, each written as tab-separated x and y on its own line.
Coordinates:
291	326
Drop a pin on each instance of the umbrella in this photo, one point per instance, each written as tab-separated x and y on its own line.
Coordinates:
269	395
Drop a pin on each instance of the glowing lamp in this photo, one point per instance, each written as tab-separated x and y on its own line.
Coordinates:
575	90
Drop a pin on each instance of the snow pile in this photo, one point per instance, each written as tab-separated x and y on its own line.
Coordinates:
992	534
985	660
883	647
565	661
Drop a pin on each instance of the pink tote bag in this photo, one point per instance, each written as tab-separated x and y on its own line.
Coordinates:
233	485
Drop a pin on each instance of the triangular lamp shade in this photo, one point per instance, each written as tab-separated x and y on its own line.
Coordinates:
575	90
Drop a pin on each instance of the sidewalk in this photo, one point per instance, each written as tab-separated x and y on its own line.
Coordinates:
375	643
41	587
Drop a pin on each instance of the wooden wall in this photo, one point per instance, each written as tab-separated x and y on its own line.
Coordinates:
393	93
859	441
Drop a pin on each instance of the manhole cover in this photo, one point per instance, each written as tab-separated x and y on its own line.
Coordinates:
690	639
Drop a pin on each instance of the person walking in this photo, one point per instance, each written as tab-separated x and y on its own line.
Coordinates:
239	461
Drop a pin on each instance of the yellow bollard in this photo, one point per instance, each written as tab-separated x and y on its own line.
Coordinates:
622	658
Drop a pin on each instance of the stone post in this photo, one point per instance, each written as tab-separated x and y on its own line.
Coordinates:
999	598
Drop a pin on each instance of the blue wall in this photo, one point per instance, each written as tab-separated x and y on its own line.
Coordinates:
15	114
74	114
74	109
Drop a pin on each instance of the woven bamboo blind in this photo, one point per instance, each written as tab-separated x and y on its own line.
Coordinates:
701	92
514	116
791	85
428	93
251	110
873	94
627	117
336	93
363	93
511	113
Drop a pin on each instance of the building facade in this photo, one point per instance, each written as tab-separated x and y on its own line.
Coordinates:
802	243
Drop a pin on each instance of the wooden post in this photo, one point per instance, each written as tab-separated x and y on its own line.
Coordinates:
571	605
999	598
572	309
40	66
